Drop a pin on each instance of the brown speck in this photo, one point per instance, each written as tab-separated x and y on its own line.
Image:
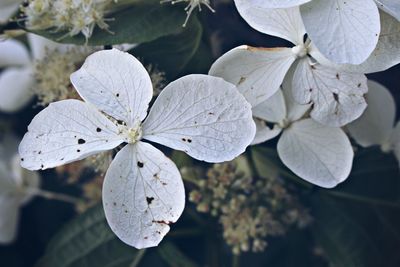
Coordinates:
78	150
359	85
81	141
117	94
242	80
337	76
336	97
149	200
140	164
98	129
189	140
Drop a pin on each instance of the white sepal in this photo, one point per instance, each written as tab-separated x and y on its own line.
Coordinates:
337	97
344	31
257	72
116	83
204	116
143	194
320	155
66	131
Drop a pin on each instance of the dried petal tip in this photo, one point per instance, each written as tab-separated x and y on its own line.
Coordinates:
191	6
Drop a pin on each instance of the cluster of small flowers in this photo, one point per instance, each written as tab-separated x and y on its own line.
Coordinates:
249	208
74	16
52	74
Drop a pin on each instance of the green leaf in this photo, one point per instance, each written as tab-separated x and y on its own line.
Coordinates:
343	239
172	53
143	21
88	241
173	256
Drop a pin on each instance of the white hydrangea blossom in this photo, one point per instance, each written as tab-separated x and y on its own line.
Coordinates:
319	154
191	6
17	79
377	125
8	8
337	96
345	31
143	193
16	186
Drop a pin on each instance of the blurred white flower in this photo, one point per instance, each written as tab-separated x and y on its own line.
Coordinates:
17	187
337	96
344	31
16	78
8	8
319	154
377	125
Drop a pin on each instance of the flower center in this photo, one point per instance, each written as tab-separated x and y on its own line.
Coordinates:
284	124
131	134
300	50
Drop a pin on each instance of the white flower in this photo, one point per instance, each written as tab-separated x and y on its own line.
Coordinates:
337	96
15	188
16	79
345	31
319	154
377	125
191	6
143	192
8	8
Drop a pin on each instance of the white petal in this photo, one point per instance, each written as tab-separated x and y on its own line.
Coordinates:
295	111
7	9
202	115
275	3
143	194
257	72
66	131
15	88
273	109
284	23
264	133
392	7
345	31
9	215
337	97
320	155
116	83
385	55
13	53
375	125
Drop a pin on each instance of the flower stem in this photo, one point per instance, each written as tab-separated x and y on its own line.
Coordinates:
138	258
53	195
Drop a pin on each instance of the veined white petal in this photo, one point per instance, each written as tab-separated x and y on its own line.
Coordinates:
392	7
257	72
143	194
276	3
15	88
264	133
345	31
320	155
202	115
66	131
9	215
295	111
13	53
273	109
385	55
285	23
375	125
116	83
337	97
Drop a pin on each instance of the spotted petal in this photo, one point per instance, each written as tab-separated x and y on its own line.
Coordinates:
337	97
392	7
143	194
116	83
257	72
345	31
202	115
276	3
66	131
